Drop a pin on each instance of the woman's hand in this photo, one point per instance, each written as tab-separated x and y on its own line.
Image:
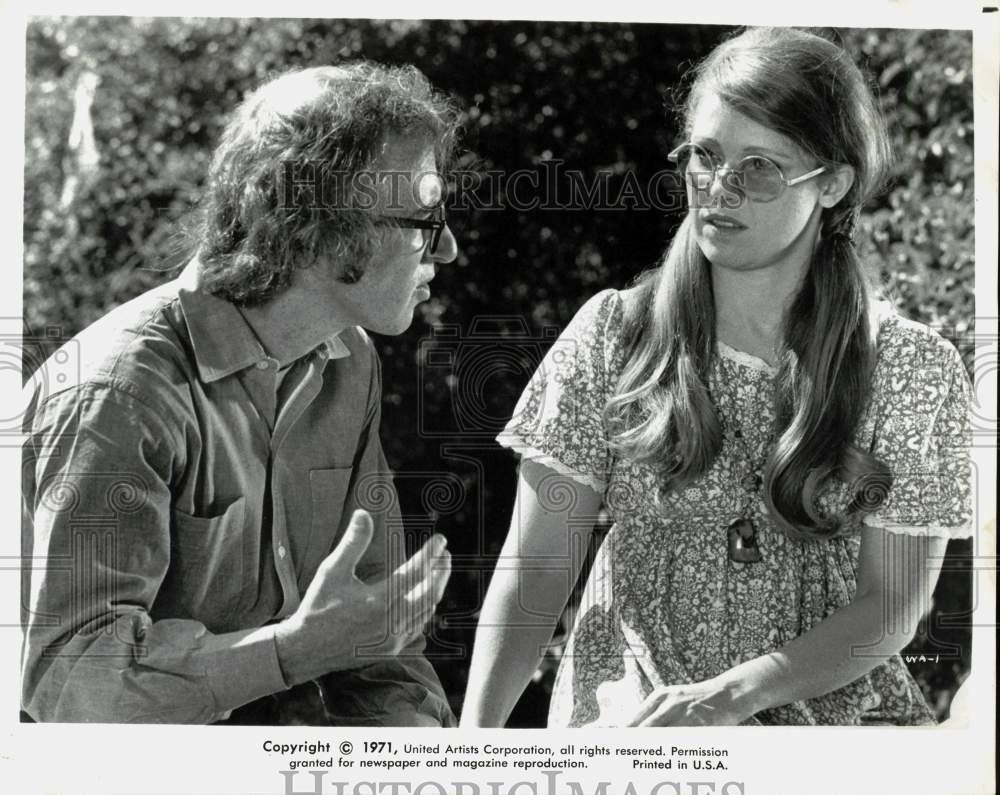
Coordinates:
708	703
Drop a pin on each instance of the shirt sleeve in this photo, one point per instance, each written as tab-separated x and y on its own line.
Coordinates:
558	420
403	690
923	433
97	503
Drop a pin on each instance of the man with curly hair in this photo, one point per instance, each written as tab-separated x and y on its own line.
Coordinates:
211	519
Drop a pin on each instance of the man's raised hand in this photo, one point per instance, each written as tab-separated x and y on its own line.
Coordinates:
343	622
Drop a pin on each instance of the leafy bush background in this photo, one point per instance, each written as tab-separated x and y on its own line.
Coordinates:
590	95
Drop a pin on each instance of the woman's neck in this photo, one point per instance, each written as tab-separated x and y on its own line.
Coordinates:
750	307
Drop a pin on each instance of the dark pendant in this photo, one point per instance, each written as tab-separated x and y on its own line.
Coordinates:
743	542
751	482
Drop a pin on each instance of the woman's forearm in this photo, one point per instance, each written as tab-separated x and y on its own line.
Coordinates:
896	577
836	652
510	642
540	561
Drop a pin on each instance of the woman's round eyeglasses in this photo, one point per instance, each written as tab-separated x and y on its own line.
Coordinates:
755	176
431	227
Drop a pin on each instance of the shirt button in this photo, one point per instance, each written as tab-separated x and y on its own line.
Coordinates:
282	551
263	365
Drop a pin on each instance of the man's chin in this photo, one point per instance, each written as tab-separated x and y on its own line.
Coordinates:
392	328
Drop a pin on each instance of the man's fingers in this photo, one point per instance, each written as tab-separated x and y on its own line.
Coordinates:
441	575
419	591
410	612
428	591
407	576
354	544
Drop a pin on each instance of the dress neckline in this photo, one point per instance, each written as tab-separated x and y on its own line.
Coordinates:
744	359
882	312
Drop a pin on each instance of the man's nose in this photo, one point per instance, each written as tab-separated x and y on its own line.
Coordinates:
447	248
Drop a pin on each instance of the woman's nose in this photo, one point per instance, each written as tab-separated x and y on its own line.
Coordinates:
727	186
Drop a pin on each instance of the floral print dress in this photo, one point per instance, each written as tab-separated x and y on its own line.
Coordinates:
664	604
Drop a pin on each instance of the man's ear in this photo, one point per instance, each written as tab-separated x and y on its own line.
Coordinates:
835	184
332	267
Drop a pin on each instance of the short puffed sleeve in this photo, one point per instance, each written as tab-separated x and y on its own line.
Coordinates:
558	420
921	402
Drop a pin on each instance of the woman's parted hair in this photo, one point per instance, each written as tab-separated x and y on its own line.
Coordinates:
809	90
283	189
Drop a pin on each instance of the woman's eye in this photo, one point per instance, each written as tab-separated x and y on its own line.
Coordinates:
757	164
700	160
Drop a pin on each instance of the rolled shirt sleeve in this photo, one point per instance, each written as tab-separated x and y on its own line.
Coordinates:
98	527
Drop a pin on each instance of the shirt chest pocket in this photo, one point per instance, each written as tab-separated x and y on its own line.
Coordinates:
208	558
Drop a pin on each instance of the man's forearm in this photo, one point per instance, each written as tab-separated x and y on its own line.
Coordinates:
137	670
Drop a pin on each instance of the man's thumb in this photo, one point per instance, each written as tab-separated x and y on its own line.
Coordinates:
355	542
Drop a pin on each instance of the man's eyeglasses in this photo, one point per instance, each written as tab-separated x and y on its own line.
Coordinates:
755	176
432	228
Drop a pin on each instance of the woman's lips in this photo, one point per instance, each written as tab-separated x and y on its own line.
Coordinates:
723	223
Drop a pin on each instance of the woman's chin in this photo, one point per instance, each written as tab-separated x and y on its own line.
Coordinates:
725	258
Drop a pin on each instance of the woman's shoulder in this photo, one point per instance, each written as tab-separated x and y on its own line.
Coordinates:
598	332
599	317
634	299
612	310
599	306
906	342
913	357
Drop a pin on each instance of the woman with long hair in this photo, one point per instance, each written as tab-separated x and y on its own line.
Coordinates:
782	456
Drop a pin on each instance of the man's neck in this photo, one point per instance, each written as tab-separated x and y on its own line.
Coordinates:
292	323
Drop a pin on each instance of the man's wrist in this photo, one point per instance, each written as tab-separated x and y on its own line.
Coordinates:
287	641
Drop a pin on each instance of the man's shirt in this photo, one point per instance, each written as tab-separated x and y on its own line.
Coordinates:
179	495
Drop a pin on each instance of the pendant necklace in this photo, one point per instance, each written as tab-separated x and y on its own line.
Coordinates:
742	532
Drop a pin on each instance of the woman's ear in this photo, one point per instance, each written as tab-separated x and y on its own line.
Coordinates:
835	184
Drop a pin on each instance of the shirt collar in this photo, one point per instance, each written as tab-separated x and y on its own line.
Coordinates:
222	340
335	348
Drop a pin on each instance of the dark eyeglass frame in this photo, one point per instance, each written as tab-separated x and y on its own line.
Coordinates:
674	157
435	225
